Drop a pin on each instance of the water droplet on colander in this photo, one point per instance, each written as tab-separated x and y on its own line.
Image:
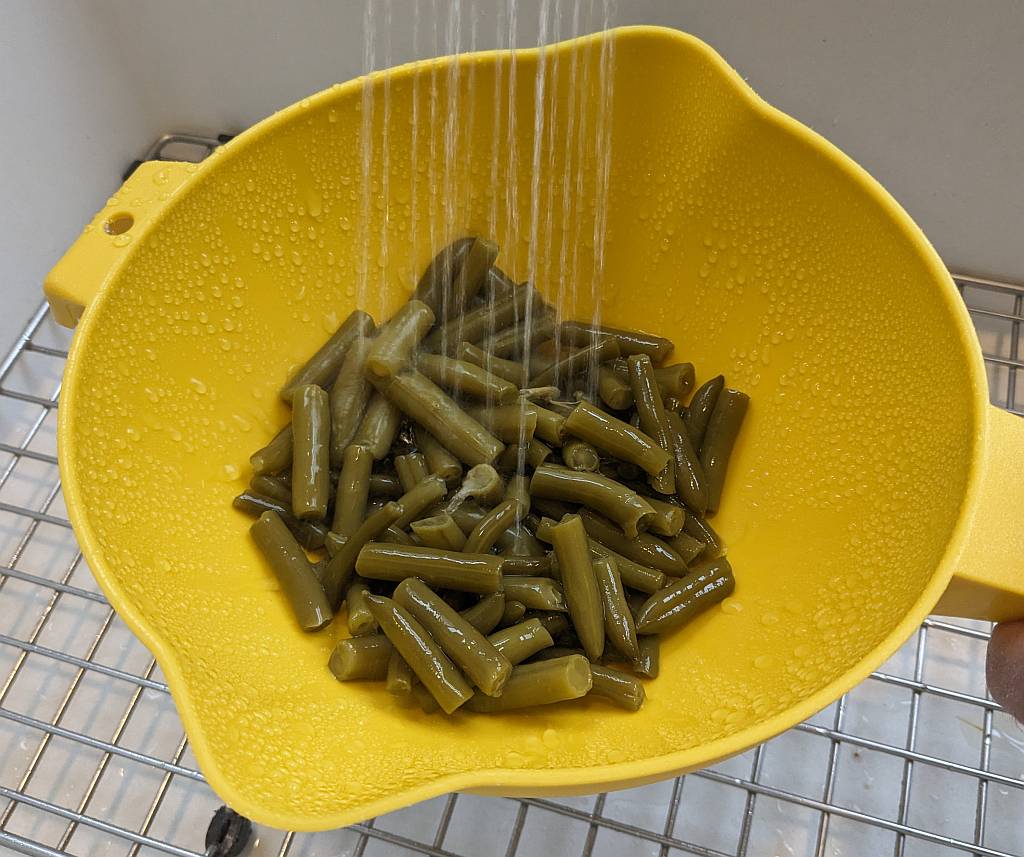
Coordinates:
122	240
198	385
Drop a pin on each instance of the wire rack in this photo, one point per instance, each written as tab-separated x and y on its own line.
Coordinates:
917	760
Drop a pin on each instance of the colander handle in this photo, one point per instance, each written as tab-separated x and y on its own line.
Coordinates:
989	580
105	243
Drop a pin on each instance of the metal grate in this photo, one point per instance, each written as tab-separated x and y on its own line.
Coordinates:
93	761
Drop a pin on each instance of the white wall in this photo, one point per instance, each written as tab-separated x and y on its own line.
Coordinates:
927	94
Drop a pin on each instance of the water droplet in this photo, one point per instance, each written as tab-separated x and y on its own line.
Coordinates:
197	385
122	240
231	472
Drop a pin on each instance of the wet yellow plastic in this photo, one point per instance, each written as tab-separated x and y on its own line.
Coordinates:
869	452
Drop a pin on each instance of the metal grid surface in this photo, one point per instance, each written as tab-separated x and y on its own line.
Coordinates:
93	761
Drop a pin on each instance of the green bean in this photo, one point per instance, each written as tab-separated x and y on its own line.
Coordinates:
701	405
668	517
580	455
645	549
699	528
349	396
478	323
342	564
486	613
490	527
576	362
535	593
651	412
469	278
353	490
554	623
528	566
612	499
499	284
435	285
437	568
470	650
680	601
675	380
719	440
483	483
322	368
311	427
579	583
539	683
521	641
293	572
518	490
514	340
334	543
648	663
399	678
396	340
379	427
513	612
411	470
276	455
440	531
510	423
618	621
418	499
613	390
361	658
686	546
550	426
629	341
427	404
510	370
429	663
385	485
309	534
691	482
439	460
536	454
617	687
395	536
272	487
675	405
553	509
463	378
617	438
557	651
360	621
633	574
516	539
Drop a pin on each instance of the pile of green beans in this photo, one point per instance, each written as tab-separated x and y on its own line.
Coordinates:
511	508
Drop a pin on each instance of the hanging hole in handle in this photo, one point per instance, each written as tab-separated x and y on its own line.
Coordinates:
118	224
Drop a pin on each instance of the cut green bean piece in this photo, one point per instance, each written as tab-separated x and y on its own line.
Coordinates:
687	546
675	380
309	534
528	566
576	362
483	321
513	612
582	596
482	483
550	426
691	482
353	490
418	499
719	440
648	663
397	339
651	412
322	368
399	678
645	549
554	623
342	564
509	423
430	664
469	278
613	389
411	469
463	378
536	454
490	527
580	455
361	658
276	455
486	613
633	574
700	529
385	485
311	466
698	414
469	649
514	340
437	568
675	405
629	341
379	427
518	490
395	536
439	460
515	540
680	601
440	531
521	641
435	285
612	499
535	593
618	620
273	487
427	404
668	517
617	438
510	370
349	396
360	620
539	683
293	572
553	509
617	687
